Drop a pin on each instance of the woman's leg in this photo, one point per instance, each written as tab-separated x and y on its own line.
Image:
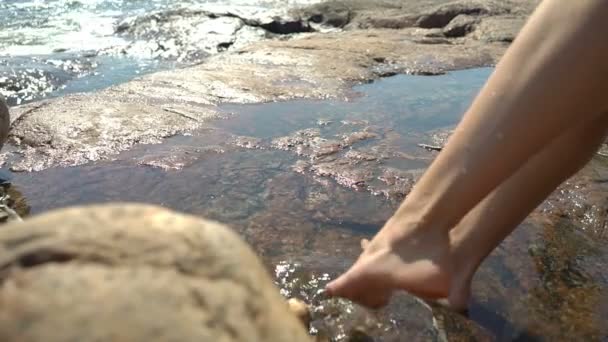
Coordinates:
553	76
492	220
483	228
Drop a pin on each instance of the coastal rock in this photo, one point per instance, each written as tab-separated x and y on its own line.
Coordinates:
135	273
5	121
191	34
498	29
445	13
77	129
399	14
178	157
460	26
86	128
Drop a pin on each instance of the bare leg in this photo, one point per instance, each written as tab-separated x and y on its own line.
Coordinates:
482	229
559	61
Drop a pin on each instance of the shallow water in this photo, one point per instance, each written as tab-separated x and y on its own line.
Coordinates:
543	282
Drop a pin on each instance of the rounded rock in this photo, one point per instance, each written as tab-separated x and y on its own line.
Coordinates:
127	272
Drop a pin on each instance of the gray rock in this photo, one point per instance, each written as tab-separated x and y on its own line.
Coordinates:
498	29
135	273
190	34
77	129
460	26
443	14
5	121
86	128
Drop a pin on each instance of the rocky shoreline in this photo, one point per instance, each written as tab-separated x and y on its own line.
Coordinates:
372	41
315	52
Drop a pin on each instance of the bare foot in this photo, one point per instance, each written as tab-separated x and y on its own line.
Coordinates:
417	262
460	287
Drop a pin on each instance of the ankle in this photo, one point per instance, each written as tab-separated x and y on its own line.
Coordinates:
466	258
398	230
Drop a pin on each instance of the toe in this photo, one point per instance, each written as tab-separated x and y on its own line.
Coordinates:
364	243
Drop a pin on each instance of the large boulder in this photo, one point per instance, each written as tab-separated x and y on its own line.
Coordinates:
135	273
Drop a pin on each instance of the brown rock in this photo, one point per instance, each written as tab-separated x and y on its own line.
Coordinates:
135	273
5	121
460	26
498	29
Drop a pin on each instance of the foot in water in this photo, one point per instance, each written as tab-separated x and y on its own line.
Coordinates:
460	287
397	259
441	275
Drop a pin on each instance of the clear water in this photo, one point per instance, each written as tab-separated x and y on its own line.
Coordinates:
546	281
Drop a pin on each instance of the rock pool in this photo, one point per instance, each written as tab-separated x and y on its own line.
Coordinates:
303	181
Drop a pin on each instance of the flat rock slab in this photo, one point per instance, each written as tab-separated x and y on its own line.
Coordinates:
135	273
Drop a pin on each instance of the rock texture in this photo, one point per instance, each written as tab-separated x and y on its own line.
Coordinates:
5	121
368	40
135	273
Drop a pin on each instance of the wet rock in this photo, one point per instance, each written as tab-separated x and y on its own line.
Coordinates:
299	139
178	157
358	156
5	121
354	166
343	174
333	14
132	272
581	200
301	166
498	29
179	34
355	137
190	34
445	13
80	128
13	206
395	14
439	137
397	183
248	142
460	26
314	65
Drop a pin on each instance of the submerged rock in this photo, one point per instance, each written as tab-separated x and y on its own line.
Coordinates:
340	320
135	273
178	157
